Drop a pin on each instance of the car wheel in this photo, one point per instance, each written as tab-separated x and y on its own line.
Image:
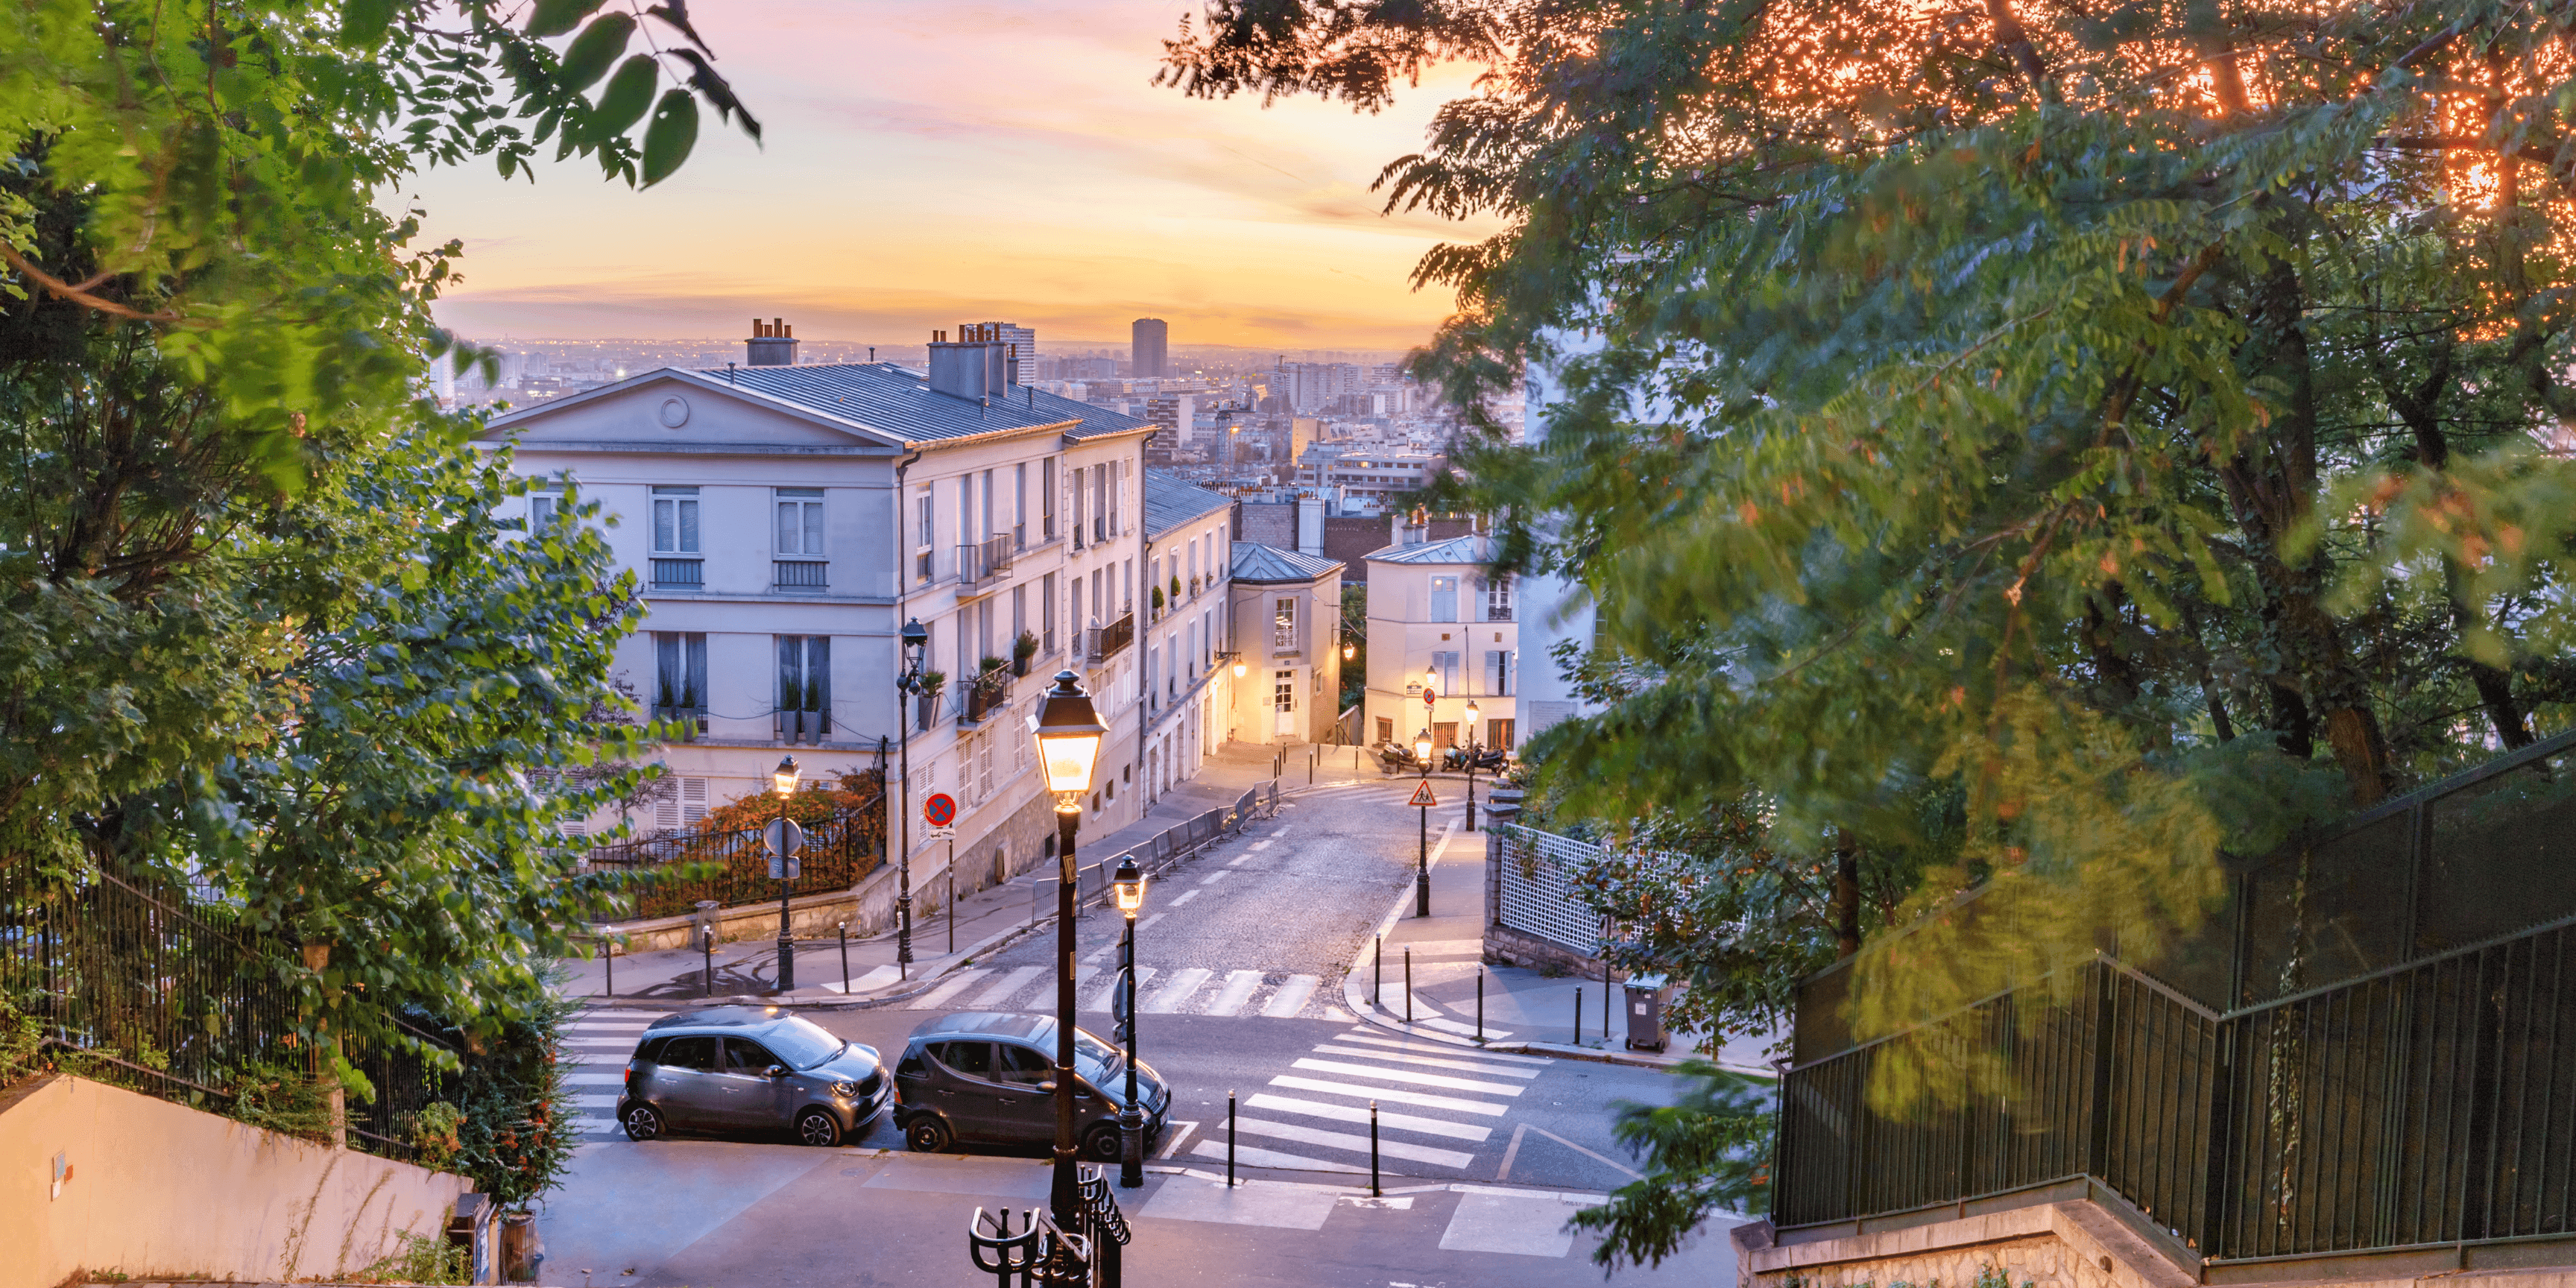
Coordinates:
928	1135
1102	1144
642	1121
815	1127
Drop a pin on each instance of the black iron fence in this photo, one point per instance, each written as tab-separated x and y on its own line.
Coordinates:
178	999
2386	1078
732	867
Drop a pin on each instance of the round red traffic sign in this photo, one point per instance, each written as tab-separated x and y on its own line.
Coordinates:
939	809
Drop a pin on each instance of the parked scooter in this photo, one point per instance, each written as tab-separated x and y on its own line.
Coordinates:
1486	761
1397	758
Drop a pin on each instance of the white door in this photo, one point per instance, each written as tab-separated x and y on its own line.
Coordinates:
1283	703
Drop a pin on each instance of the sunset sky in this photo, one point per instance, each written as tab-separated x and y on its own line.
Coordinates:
930	162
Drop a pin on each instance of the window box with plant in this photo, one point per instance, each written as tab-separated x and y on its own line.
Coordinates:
1022	649
991	690
927	698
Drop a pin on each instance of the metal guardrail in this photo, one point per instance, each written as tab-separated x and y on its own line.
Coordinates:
837	853
2422	1105
1106	641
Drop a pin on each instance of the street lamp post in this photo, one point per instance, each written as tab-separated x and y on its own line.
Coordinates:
784	779
1422	861
907	683
1471	746
1069	733
1129	887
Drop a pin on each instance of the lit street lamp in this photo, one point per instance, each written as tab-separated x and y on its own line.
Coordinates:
1129	888
1069	733
916	647
784	779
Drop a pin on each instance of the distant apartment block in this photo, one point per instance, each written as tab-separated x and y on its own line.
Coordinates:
1023	342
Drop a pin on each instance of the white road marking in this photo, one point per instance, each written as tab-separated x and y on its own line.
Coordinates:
1108	994
1402	1075
1269	1158
595	1079
1358	1114
1488	1032
1528	1227
1390	1095
595	1102
621	1044
1360	1144
1257	847
1183	983
1368	1037
1212	878
1238	990
1291	997
1011	982
939	996
877	978
1186	896
1237	861
1436	1062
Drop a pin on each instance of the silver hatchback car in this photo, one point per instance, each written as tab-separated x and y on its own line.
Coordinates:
750	1068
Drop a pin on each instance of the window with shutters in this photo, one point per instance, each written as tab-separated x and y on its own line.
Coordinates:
1498	673
1046	498
925	535
1498	599
1444	599
798	535
984	766
804	688
680	680
1446	663
679	802
1283	625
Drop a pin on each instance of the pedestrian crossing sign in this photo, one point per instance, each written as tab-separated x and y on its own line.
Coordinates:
1422	796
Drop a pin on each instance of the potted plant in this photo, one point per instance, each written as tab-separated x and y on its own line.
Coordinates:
1176	586
1158	601
931	683
1022	649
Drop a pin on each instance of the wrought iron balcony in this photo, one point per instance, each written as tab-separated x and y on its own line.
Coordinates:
1107	641
983	562
813	574
679	574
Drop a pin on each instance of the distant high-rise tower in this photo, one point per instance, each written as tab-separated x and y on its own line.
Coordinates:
1153	348
1024	342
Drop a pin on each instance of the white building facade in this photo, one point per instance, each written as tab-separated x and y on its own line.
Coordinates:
1189	538
1437	623
785	521
1287	631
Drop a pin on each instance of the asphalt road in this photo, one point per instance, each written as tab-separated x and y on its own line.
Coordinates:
1482	1154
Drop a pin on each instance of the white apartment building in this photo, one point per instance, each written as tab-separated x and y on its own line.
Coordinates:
1189	539
1434	615
1288	633
1374	471
785	521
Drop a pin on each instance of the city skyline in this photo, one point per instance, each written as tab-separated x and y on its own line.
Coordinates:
887	203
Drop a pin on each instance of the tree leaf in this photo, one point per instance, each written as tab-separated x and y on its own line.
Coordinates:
623	103
555	17
363	22
718	93
668	139
590	54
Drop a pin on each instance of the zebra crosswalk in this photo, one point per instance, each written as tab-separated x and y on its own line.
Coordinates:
1430	1100
595	1046
1189	990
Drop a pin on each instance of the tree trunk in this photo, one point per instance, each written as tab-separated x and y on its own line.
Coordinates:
1846	897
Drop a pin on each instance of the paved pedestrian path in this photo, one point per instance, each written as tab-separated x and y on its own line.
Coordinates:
1432	1103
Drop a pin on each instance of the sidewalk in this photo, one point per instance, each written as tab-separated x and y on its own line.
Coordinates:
1521	1009
945	936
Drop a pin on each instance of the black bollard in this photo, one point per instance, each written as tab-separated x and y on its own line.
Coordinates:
845	958
1578	1015
1229	1138
1408	985
1374	1191
1480	1003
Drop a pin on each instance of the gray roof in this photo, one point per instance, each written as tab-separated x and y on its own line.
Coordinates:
899	403
1170	502
1257	563
1455	550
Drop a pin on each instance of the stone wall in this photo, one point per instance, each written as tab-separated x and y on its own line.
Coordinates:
103	1182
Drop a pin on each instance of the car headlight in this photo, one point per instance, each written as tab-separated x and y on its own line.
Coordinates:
846	1089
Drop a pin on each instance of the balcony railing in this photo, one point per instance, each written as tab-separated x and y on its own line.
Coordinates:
983	561
801	574
679	574
1106	641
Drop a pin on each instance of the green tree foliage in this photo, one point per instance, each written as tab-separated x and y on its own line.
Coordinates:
2145	423
1707	1151
265	631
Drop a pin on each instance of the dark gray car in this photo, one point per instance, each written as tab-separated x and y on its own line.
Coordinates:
747	1069
990	1076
